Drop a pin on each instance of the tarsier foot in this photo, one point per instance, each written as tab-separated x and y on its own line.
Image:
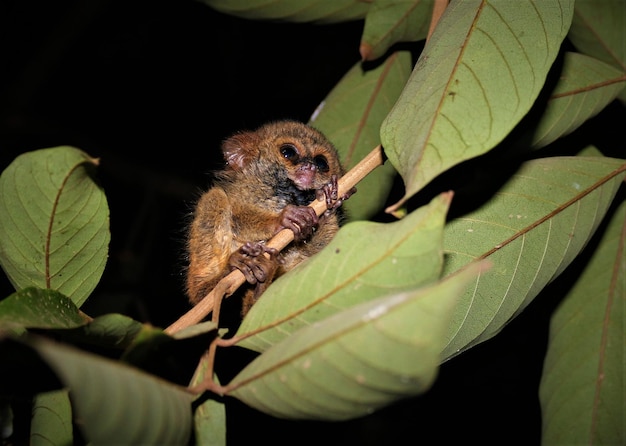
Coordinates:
256	267
302	220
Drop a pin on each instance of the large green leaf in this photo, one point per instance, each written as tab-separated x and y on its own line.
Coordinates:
351	115
118	404
585	87
599	30
391	21
583	382
54	222
531	230
477	77
364	261
356	361
320	11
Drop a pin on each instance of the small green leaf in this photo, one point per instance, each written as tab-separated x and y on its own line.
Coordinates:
531	230
37	308
210	416
319	11
477	77
54	222
391	21
52	419
363	262
351	115
118	404
582	386
598	30
359	360
585	87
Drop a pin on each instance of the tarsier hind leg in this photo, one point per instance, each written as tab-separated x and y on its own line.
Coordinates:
257	268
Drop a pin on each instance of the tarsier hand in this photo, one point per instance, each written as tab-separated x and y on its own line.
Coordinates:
330	193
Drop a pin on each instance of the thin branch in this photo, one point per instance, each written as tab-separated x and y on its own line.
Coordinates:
229	284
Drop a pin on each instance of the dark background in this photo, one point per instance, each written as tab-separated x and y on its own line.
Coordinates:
151	88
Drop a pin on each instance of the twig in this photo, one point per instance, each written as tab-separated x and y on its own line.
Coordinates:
229	284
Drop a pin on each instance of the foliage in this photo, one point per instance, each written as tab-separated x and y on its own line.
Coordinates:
497	203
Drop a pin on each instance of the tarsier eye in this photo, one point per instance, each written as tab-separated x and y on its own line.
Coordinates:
321	162
289	151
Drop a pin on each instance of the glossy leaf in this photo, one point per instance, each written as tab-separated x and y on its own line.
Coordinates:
37	308
585	87
52	419
582	385
118	404
54	222
392	21
351	115
478	75
599	30
320	11
531	230
356	361
363	262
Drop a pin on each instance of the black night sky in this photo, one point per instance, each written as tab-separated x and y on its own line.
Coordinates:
152	87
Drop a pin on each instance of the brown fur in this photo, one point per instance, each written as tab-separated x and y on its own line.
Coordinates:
270	174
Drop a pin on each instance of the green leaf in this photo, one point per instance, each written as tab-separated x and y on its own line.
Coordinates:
52	419
582	387
109	330
599	30
117	404
37	308
585	87
531	230
391	21
351	115
477	77
363	262
359	360
54	222
319	11
210	416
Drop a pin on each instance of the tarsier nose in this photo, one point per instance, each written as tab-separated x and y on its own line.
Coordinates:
307	165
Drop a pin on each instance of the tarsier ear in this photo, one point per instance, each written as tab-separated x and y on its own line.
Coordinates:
239	150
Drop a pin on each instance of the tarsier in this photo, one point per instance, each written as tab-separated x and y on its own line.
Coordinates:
270	177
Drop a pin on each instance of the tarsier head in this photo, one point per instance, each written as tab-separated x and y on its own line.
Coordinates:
307	157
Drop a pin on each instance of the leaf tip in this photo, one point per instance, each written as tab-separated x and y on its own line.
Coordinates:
365	50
